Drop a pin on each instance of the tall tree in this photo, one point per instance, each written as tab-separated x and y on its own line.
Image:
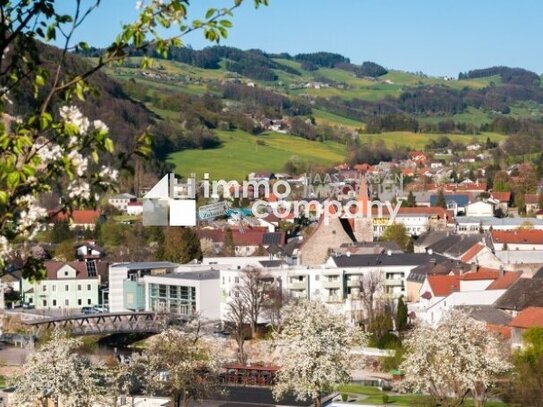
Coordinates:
457	359
441	202
401	315
229	247
56	373
526	387
253	289
397	233
180	244
411	201
314	345
236	320
370	286
180	364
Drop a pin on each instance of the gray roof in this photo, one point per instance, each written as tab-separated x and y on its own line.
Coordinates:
526	292
488	314
124	195
460	199
395	259
194	275
270	238
538	273
455	245
418	274
271	263
430	237
146	265
492	221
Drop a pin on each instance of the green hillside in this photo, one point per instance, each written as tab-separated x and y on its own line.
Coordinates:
242	153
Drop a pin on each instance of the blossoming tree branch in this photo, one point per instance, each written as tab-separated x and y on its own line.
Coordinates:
52	145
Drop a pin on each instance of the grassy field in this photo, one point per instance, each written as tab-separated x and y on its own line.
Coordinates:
240	154
419	140
331	119
374	396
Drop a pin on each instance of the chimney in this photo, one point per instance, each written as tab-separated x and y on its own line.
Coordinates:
474	268
501	272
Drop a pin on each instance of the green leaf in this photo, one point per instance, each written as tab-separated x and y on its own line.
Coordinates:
39	80
226	23
13	179
210	12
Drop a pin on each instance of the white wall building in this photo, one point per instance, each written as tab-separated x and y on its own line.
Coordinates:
121	201
480	208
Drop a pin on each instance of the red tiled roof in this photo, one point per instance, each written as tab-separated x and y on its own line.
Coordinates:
443	285
518	236
252	237
79	217
52	267
472	252
481	274
506	281
531	199
135	203
530	317
501	196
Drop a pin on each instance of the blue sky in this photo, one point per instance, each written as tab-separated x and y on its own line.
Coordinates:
438	37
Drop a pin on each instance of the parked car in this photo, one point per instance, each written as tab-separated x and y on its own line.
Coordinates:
88	310
100	308
27	305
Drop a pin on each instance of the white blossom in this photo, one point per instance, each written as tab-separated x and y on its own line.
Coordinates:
71	114
458	357
58	374
30	216
100	125
5	248
49	152
314	344
79	162
139	4
79	188
108	173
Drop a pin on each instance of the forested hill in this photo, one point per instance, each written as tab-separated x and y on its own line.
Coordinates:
198	95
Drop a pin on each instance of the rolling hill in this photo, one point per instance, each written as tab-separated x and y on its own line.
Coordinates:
338	99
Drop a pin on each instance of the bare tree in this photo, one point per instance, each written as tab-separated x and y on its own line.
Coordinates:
254	290
276	299
238	314
370	285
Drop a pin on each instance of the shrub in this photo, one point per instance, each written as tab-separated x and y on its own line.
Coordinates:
386	399
344	397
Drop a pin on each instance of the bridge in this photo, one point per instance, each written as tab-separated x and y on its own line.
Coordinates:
103	323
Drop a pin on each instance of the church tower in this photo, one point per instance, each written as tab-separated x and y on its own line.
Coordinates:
363	224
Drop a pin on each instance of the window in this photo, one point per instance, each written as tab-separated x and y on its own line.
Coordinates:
89	301
89	287
79	301
54	303
67	302
79	287
53	287
44	288
44	303
66	287
236	280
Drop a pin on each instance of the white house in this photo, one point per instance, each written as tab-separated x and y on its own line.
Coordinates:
134	208
121	201
480	208
65	286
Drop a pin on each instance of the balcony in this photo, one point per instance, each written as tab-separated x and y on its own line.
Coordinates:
394	282
353	282
297	285
332	283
